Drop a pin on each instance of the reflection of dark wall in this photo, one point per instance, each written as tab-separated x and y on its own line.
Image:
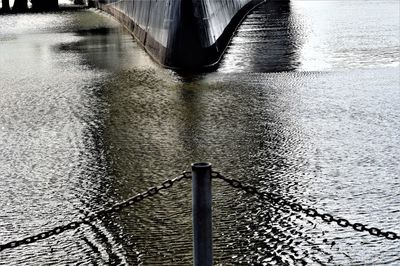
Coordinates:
243	132
191	131
100	47
141	137
280	46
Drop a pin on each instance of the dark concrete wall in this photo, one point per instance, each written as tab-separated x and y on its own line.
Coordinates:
181	33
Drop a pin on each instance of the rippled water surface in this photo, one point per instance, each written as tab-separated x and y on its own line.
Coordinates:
305	104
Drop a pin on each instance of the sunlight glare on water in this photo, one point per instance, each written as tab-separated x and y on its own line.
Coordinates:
316	36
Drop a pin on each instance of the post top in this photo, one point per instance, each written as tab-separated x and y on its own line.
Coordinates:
201	165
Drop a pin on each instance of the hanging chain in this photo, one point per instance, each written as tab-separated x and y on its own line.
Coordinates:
271	197
308	211
99	214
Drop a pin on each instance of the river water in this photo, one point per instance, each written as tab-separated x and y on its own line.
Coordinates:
305	104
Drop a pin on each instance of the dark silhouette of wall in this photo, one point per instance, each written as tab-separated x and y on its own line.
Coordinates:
44	5
20	6
79	2
6	6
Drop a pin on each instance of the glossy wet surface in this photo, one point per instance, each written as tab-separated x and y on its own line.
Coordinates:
305	104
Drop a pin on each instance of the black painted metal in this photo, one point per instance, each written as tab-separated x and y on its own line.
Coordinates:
202	214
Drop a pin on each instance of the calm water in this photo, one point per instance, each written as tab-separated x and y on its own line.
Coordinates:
305	104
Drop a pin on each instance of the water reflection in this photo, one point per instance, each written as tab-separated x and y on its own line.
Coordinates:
99	122
53	167
155	125
342	35
267	41
105	48
315	36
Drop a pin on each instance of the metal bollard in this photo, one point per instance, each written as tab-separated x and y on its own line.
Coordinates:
202	216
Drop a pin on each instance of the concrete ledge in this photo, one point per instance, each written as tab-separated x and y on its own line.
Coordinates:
190	43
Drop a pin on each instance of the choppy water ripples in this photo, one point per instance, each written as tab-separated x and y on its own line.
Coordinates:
87	120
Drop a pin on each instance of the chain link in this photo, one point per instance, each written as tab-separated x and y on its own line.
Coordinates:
328	218
99	214
274	198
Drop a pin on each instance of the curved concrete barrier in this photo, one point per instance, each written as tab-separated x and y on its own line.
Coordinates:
181	34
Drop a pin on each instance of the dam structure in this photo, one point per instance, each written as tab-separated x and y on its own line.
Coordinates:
181	34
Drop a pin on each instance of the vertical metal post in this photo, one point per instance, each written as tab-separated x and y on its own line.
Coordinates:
202	216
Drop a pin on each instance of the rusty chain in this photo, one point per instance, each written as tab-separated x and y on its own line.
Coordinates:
311	212
113	209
